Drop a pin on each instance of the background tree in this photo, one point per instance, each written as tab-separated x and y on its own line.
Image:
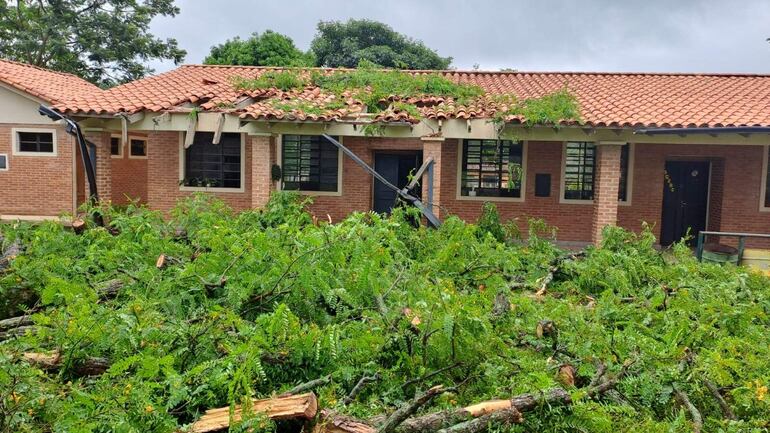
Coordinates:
339	44
103	41
266	49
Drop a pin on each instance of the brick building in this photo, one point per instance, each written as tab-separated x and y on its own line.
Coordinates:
676	151
38	159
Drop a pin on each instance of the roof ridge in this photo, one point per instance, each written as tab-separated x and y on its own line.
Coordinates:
488	72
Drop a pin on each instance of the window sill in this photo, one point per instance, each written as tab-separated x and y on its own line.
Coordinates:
574	201
38	154
211	189
137	157
316	193
490	198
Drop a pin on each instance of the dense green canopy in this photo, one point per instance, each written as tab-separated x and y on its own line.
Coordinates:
104	41
251	304
266	49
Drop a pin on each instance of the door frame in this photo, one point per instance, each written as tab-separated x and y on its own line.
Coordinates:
683	158
417	152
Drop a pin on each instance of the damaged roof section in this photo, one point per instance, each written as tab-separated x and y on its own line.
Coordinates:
604	99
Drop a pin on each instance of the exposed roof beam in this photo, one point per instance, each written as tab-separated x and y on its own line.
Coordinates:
189	137
220	126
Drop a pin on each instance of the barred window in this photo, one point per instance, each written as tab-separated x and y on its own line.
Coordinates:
35	142
138	147
309	163
213	165
492	168
767	181
624	162
579	171
580	174
115	146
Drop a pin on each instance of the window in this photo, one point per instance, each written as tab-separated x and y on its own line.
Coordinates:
213	165
309	163
624	163
115	146
579	173
34	142
766	183
492	168
137	148
3	162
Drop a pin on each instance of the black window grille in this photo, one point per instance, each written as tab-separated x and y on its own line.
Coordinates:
115	146
624	161
579	171
492	168
38	142
309	163
214	165
138	147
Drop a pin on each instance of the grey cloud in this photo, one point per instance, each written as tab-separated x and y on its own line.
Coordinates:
598	35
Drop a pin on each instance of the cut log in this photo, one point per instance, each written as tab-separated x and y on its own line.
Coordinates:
15	322
53	362
17	332
303	406
407	410
78	226
503	417
330	422
8	254
109	289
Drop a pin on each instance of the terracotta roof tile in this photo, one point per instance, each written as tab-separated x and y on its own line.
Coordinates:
606	99
50	86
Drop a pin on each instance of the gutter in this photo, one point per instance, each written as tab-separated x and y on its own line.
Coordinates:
742	130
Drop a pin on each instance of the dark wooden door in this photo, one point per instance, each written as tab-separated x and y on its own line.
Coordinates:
395	167
685	200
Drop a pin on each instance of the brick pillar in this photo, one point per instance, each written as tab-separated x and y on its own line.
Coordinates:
606	184
261	162
432	147
103	164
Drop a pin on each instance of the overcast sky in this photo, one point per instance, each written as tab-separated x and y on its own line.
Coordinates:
531	35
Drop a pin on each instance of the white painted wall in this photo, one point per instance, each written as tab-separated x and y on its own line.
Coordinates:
16	107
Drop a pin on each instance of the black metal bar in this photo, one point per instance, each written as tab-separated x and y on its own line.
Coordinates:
714	130
741	247
737	234
699	251
73	129
427	213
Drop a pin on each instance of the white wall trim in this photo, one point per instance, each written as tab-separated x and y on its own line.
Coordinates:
182	151
340	171
763	186
459	177
15	142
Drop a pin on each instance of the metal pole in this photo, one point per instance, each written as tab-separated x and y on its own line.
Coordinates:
699	253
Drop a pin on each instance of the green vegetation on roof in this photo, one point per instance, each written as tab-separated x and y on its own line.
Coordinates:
381	89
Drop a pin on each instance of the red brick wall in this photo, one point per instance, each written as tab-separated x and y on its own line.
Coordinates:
163	189
606	186
37	185
356	182
740	189
572	220
129	178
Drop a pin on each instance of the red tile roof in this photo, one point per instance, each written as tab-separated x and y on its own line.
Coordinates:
606	99
50	86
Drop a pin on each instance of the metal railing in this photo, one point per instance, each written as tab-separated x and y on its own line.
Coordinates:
741	241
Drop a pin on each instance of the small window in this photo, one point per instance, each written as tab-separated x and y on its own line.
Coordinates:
767	179
309	163
579	171
624	162
138	147
213	165
492	168
115	146
3	162
35	142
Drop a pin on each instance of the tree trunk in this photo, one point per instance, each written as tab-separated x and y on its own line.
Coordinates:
53	362
303	406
